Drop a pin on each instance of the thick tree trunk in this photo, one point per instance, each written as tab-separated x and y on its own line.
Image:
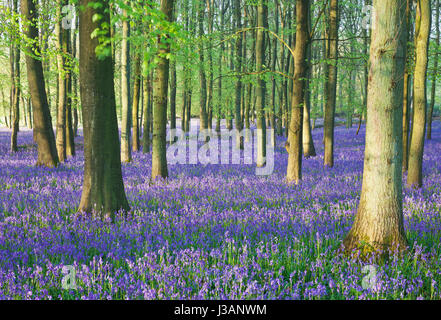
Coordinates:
294	170
416	150
159	159
434	74
103	189
43	132
378	224
331	84
126	153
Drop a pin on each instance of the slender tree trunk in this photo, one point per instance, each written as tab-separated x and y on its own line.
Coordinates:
221	61
126	154
173	95
331	84
147	119
434	74
159	159
67	52
103	188
210	65
135	103
378	223
422	32
406	100
75	95
202	76
61	92
15	81
262	13
308	142
43	132
238	68
30	112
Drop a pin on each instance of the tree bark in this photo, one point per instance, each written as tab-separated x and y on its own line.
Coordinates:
202	76
159	159
15	80
406	100
135	102
331	84
61	92
308	142
294	170
378	224
43	132
126	154
103	189
434	74
416	150
147	111
262	13
238	86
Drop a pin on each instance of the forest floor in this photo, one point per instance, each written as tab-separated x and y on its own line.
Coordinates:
210	232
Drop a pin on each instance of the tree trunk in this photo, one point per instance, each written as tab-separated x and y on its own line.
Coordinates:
147	111
43	132
15	82
202	76
159	159
422	32
103	189
294	170
126	153
238	69
173	94
61	92
331	84
262	13
406	100
434	75
378	223
135	104
67	52
308	142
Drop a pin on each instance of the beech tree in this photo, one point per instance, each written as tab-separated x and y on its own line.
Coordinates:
416	150
262	14
14	57
331	83
435	73
378	223
43	131
103	189
294	171
126	153
160	93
